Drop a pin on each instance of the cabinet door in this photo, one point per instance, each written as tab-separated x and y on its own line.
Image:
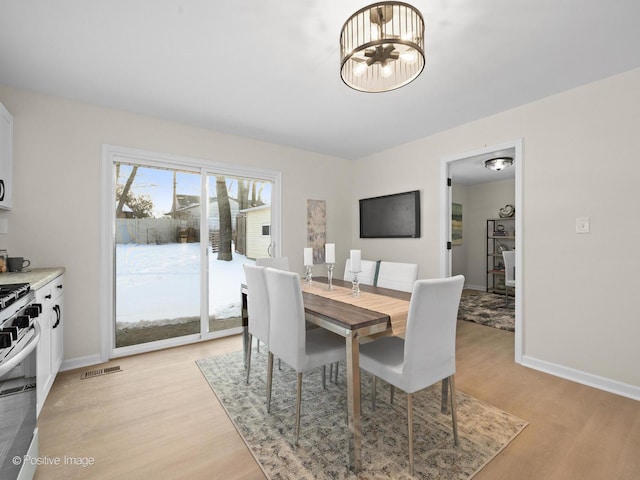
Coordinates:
44	375
57	326
6	153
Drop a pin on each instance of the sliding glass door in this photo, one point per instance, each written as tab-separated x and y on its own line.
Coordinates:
180	238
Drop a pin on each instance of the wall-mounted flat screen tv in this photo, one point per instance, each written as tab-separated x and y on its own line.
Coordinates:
391	216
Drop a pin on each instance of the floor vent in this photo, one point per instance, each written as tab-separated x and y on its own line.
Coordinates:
100	371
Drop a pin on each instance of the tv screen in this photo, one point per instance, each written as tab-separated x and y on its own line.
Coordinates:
391	216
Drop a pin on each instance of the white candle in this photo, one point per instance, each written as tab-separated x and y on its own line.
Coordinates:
308	257
355	260
330	253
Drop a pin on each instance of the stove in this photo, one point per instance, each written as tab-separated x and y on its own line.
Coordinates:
17	314
19	336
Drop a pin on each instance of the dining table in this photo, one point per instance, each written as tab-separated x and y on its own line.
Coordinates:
343	313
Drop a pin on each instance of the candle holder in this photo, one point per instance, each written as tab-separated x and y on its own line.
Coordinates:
355	289
330	275
308	278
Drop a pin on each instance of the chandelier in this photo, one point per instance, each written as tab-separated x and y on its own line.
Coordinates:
382	47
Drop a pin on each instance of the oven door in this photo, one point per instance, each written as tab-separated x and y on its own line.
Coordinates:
18	439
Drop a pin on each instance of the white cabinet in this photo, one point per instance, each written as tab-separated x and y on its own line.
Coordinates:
6	158
50	347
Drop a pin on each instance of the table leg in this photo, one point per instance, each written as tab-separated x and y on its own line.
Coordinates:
353	402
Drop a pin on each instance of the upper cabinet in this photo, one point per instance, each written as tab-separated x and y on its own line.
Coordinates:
6	160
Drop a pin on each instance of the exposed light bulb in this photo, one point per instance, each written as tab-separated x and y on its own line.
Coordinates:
360	69
409	56
386	71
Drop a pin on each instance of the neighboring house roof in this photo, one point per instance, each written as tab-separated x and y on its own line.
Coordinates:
253	209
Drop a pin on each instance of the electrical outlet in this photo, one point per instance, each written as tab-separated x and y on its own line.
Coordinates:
582	225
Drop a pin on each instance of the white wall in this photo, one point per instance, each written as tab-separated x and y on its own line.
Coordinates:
56	219
580	159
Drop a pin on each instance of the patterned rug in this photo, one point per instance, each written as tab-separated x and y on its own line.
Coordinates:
488	309
322	451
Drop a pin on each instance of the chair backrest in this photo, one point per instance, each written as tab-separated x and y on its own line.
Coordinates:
509	257
398	276
281	263
257	302
430	338
366	276
287	334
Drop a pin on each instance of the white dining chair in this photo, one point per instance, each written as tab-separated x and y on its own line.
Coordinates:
509	257
428	352
257	308
281	263
366	276
397	276
289	338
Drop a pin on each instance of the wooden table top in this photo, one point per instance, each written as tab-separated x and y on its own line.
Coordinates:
348	316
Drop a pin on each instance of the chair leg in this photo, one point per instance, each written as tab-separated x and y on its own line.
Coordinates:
392	394
258	346
373	392
336	381
454	415
248	359
410	430
298	402
269	378
324	377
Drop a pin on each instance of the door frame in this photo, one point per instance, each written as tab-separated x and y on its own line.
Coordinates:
445	210
113	153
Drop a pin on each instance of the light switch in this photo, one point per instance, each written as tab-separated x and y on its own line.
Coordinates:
582	225
4	225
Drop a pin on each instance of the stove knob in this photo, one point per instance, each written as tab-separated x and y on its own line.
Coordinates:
34	310
13	331
22	321
5	339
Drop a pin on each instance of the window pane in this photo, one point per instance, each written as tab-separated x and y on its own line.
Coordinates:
157	254
238	209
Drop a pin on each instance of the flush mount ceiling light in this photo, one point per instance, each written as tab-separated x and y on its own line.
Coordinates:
382	47
498	163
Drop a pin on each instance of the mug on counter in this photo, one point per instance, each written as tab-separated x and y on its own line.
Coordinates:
16	264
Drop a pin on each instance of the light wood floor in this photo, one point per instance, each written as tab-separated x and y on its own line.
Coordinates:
159	419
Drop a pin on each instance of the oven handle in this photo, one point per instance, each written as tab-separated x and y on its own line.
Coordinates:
13	361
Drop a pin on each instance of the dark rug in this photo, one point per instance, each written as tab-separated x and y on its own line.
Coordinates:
322	451
488	309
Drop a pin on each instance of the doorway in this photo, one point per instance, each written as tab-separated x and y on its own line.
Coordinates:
468	168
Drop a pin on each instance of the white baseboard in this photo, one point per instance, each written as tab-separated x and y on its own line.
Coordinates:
80	362
595	381
482	288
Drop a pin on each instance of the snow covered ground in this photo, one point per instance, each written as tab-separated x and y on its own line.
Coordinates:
162	282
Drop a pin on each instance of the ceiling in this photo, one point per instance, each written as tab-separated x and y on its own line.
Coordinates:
269	69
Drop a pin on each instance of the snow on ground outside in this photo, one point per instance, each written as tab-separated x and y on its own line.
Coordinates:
162	282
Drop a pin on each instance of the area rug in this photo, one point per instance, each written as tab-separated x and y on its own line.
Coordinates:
322	451
488	309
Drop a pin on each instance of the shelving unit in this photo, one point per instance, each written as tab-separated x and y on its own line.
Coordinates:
496	243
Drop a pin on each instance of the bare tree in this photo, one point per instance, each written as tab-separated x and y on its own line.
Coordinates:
224	211
125	191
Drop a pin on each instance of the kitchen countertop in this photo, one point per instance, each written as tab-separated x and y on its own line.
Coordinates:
37	277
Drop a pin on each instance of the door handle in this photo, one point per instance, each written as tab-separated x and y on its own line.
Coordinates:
1	190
